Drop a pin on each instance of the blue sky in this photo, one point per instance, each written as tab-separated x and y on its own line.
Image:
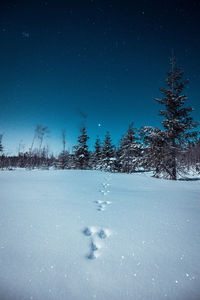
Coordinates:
106	59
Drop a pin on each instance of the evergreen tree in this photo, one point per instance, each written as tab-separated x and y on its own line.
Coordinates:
81	155
97	155
119	153
108	154
155	152
177	120
129	152
63	160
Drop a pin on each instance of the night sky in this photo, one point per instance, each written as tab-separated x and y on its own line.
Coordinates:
105	59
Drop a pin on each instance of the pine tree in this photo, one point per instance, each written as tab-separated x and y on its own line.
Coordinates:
108	154
129	151
97	155
81	155
177	120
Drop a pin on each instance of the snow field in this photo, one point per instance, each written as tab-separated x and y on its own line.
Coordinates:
56	244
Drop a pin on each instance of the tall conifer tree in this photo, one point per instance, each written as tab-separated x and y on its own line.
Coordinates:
97	155
129	151
178	123
108	154
82	154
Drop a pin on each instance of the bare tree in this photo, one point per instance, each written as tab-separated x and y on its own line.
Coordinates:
21	147
83	117
1	147
64	139
41	133
34	138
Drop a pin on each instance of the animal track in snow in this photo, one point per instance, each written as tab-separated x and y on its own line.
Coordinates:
108	202
88	231
104	192
93	255
105	185
104	233
102	204
99	201
95	234
95	242
101	207
95	245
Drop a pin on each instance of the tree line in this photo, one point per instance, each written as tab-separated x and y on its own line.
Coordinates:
166	152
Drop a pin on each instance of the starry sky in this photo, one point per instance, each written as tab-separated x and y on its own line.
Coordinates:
62	61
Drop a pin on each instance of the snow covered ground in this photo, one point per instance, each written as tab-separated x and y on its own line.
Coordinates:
92	235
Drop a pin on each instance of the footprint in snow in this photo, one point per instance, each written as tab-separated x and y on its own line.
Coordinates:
108	202
99	201
104	192
101	207
95	242
88	231
104	233
102	204
93	255
105	185
94	250
95	245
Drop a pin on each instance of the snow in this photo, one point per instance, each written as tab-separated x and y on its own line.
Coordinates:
55	243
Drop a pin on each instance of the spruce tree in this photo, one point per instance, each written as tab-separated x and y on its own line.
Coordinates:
63	160
81	155
155	152
108	154
178	123
119	153
129	151
97	155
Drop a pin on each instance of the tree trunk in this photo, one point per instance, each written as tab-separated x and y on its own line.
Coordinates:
174	167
